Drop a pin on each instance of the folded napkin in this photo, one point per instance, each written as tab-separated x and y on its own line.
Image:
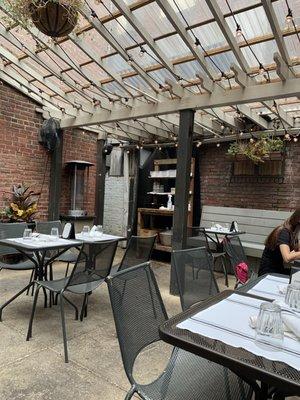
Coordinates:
291	324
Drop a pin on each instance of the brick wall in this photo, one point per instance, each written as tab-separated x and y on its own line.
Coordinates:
23	159
216	188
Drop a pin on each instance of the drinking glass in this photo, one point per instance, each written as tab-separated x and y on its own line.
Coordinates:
99	230
85	230
55	232
27	234
292	296
269	327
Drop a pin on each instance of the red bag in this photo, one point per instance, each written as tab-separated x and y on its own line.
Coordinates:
242	272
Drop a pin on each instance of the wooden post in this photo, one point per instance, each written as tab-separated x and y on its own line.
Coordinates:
55	179
100	181
184	157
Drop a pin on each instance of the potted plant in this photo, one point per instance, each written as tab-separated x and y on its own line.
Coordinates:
265	148
22	205
54	18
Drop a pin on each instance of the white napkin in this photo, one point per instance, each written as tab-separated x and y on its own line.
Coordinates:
291	324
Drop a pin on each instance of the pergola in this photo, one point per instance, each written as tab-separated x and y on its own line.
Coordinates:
130	67
163	72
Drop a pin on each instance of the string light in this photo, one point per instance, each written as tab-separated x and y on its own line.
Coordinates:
238	31
142	51
199	143
197	42
160	87
295	139
252	140
261	69
241	133
274	107
289	18
223	76
218	144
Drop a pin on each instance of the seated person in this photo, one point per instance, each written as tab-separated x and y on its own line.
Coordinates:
282	246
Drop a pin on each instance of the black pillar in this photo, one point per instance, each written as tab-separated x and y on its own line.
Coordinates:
134	160
100	182
184	158
55	179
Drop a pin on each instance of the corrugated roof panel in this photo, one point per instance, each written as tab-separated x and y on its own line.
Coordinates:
210	36
153	19
281	11
293	46
117	64
235	4
173	47
253	23
264	52
194	11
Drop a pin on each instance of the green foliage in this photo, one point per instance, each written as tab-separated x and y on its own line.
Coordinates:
22	204
256	150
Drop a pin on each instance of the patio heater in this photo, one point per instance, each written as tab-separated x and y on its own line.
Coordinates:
78	174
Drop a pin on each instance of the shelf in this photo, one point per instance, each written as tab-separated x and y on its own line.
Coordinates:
155	211
161	193
160	247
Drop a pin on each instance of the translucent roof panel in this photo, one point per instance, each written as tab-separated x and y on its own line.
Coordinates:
123	32
117	64
10	47
96	43
280	8
223	61
73	53
293	46
191	10
154	20
253	23
173	47
236	5
210	36
264	52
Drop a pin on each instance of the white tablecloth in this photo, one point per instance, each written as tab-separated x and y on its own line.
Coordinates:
228	321
269	287
103	238
43	241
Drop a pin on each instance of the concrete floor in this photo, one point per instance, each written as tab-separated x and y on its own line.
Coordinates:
36	370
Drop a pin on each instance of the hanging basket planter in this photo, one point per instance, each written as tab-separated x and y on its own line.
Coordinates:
54	19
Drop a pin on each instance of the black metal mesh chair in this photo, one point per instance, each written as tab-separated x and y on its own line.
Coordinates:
14	230
197	237
236	253
138	251
90	271
195	277
138	312
70	256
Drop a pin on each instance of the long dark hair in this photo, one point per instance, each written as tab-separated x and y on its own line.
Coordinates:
292	224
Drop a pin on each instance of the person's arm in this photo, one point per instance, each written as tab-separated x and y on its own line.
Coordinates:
287	254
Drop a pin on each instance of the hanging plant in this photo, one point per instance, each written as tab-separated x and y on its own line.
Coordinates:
257	151
54	18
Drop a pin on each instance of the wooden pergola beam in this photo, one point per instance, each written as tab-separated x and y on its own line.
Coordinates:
250	94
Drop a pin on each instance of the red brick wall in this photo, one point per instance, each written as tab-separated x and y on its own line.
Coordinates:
23	159
216	188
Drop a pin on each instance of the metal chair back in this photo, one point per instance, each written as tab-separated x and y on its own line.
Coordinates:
138	311
235	251
45	227
8	231
94	263
138	251
195	277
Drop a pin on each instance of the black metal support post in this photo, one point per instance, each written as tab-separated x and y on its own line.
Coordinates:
184	156
55	179
100	182
134	161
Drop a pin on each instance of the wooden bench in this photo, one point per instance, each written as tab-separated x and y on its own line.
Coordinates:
256	223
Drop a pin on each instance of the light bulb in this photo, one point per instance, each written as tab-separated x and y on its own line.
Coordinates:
289	19
261	69
142	51
274	108
197	43
218	144
241	133
238	32
295	139
199	144
252	140
223	76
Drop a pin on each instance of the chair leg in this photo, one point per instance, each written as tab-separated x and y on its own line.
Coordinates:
29	332
56	299
63	324
224	270
30	280
73	305
67	270
13	298
131	392
82	312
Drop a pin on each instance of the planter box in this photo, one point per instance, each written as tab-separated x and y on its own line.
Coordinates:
275	156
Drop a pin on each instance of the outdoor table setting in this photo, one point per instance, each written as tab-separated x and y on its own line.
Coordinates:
35	247
95	234
217	231
255	332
